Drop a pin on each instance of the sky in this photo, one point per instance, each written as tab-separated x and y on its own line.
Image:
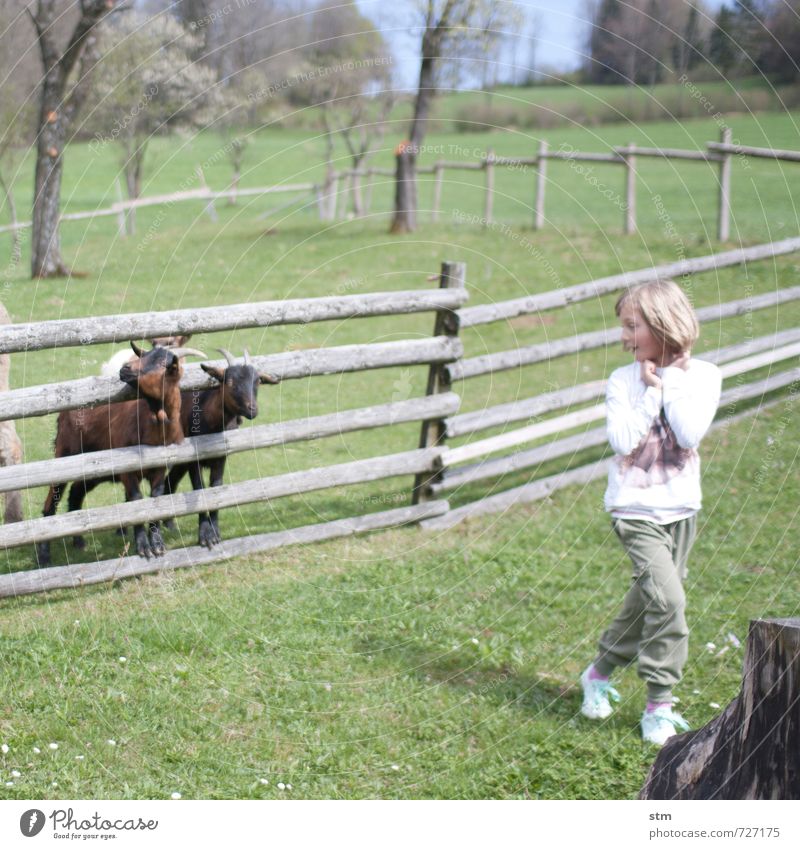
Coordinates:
561	32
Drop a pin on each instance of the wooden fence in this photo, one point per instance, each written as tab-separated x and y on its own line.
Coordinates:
83	392
436	467
332	195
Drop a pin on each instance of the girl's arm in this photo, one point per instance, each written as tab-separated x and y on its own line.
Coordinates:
690	403
628	423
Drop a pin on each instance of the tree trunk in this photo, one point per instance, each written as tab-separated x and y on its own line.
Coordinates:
405	194
58	109
45	241
750	751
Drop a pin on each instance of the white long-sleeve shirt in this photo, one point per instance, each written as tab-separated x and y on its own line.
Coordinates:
655	474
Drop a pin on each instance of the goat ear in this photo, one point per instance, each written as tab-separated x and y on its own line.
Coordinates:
217	373
268	378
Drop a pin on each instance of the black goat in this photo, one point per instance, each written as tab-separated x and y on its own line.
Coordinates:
215	410
153	419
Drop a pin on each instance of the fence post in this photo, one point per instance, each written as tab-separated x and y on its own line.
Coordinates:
630	190
210	208
368	191
453	276
122	229
724	218
541	179
438	172
489	166
334	196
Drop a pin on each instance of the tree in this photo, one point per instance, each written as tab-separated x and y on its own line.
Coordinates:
62	98
347	78
148	84
722	50
781	54
448	28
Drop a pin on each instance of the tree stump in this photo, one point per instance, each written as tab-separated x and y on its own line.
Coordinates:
752	750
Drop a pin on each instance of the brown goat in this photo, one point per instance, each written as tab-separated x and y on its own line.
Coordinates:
153	419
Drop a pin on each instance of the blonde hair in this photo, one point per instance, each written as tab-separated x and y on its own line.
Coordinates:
666	310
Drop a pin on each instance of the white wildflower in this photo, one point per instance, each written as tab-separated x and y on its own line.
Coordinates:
53	746
123	659
37	750
475	641
15	773
263	780
9	783
4	748
722	651
327	686
734	640
281	785
175	796
713	705
710	647
288	786
676	700
79	757
395	767
111	742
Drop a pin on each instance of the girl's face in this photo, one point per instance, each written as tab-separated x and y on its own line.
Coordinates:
638	338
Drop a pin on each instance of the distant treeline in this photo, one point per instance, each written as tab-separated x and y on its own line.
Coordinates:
643	42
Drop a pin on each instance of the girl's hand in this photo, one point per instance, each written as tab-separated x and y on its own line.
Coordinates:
649	375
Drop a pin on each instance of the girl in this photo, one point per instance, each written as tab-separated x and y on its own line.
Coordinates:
658	408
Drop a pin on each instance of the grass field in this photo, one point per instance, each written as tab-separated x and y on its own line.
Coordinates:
400	664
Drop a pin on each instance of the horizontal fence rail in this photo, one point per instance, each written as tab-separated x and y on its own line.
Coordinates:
91	391
64	333
215	498
545	351
117	461
531	304
85	574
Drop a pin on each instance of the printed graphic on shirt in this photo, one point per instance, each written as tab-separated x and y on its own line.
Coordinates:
657	458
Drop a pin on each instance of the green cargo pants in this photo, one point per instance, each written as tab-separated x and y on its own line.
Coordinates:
651	626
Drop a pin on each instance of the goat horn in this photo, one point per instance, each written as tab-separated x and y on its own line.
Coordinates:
188	352
246	357
228	356
137	350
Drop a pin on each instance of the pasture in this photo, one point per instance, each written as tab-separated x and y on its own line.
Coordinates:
401	664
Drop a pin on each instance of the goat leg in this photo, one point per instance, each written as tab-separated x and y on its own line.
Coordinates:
134	493
157	483
77	492
50	506
217	474
205	530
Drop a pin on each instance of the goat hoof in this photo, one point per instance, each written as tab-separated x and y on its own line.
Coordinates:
43	556
207	537
156	544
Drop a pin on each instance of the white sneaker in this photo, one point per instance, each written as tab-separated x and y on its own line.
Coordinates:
661	724
596	694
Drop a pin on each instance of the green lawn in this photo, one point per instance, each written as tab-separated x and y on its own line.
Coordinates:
451	657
